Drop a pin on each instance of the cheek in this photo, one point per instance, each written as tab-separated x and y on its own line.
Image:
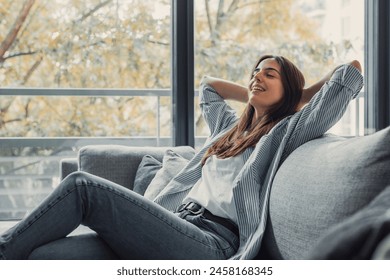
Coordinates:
250	84
280	93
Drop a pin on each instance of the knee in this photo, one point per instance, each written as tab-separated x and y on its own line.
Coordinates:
76	179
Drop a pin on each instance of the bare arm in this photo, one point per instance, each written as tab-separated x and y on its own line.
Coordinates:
309	92
226	89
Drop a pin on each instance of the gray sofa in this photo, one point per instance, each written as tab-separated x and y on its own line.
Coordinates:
324	187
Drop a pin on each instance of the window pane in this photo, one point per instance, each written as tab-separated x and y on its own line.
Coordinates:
316	35
121	47
88	44
123	44
83	116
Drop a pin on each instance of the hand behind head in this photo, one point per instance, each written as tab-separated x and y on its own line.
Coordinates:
357	65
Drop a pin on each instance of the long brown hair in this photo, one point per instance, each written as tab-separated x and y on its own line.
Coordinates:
244	134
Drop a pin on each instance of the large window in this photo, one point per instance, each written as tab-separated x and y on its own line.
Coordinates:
316	35
77	70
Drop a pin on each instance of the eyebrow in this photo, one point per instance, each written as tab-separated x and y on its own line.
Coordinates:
268	69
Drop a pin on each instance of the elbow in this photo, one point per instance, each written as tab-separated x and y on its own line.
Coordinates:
205	80
209	81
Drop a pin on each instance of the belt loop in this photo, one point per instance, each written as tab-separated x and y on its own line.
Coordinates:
188	208
182	214
181	207
195	208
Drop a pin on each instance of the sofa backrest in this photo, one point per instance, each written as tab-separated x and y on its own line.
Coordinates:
321	183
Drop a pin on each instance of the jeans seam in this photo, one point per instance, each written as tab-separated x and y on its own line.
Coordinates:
107	188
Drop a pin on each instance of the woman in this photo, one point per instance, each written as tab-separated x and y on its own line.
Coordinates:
216	207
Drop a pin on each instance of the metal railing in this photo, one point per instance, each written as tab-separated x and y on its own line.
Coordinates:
61	92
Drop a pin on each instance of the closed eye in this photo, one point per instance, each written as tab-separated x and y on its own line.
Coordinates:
268	72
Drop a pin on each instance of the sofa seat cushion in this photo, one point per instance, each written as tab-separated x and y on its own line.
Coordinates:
88	246
320	184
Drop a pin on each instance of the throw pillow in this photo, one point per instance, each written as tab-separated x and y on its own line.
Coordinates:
146	171
172	164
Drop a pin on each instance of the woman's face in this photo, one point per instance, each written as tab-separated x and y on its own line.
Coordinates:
265	88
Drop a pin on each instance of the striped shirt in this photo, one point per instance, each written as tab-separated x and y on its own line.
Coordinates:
252	186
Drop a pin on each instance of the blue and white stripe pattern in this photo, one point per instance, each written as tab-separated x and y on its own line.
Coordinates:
253	184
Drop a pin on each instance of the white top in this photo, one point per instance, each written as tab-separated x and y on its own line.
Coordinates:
214	190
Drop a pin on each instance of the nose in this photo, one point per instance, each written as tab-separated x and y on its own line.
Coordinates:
259	75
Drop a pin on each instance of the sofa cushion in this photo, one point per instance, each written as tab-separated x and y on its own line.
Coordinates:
321	183
119	163
171	165
87	246
358	236
68	166
146	171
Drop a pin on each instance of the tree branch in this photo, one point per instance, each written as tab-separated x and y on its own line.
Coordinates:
93	10
12	34
3	123
220	14
158	42
233	7
31	70
206	2
19	54
250	4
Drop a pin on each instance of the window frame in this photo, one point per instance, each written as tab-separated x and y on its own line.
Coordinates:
377	65
183	69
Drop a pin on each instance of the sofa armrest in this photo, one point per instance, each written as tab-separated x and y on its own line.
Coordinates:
119	163
67	166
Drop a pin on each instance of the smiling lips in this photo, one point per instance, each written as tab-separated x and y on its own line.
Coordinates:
258	88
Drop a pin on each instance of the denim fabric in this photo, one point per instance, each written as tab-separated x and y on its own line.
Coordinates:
131	225
85	246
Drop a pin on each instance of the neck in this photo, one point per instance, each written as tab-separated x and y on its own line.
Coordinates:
256	116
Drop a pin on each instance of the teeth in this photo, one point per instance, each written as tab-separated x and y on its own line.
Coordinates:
258	88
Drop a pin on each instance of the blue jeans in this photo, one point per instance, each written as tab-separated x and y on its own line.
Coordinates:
133	226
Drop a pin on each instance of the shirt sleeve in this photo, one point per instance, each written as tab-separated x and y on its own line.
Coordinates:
216	112
326	107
